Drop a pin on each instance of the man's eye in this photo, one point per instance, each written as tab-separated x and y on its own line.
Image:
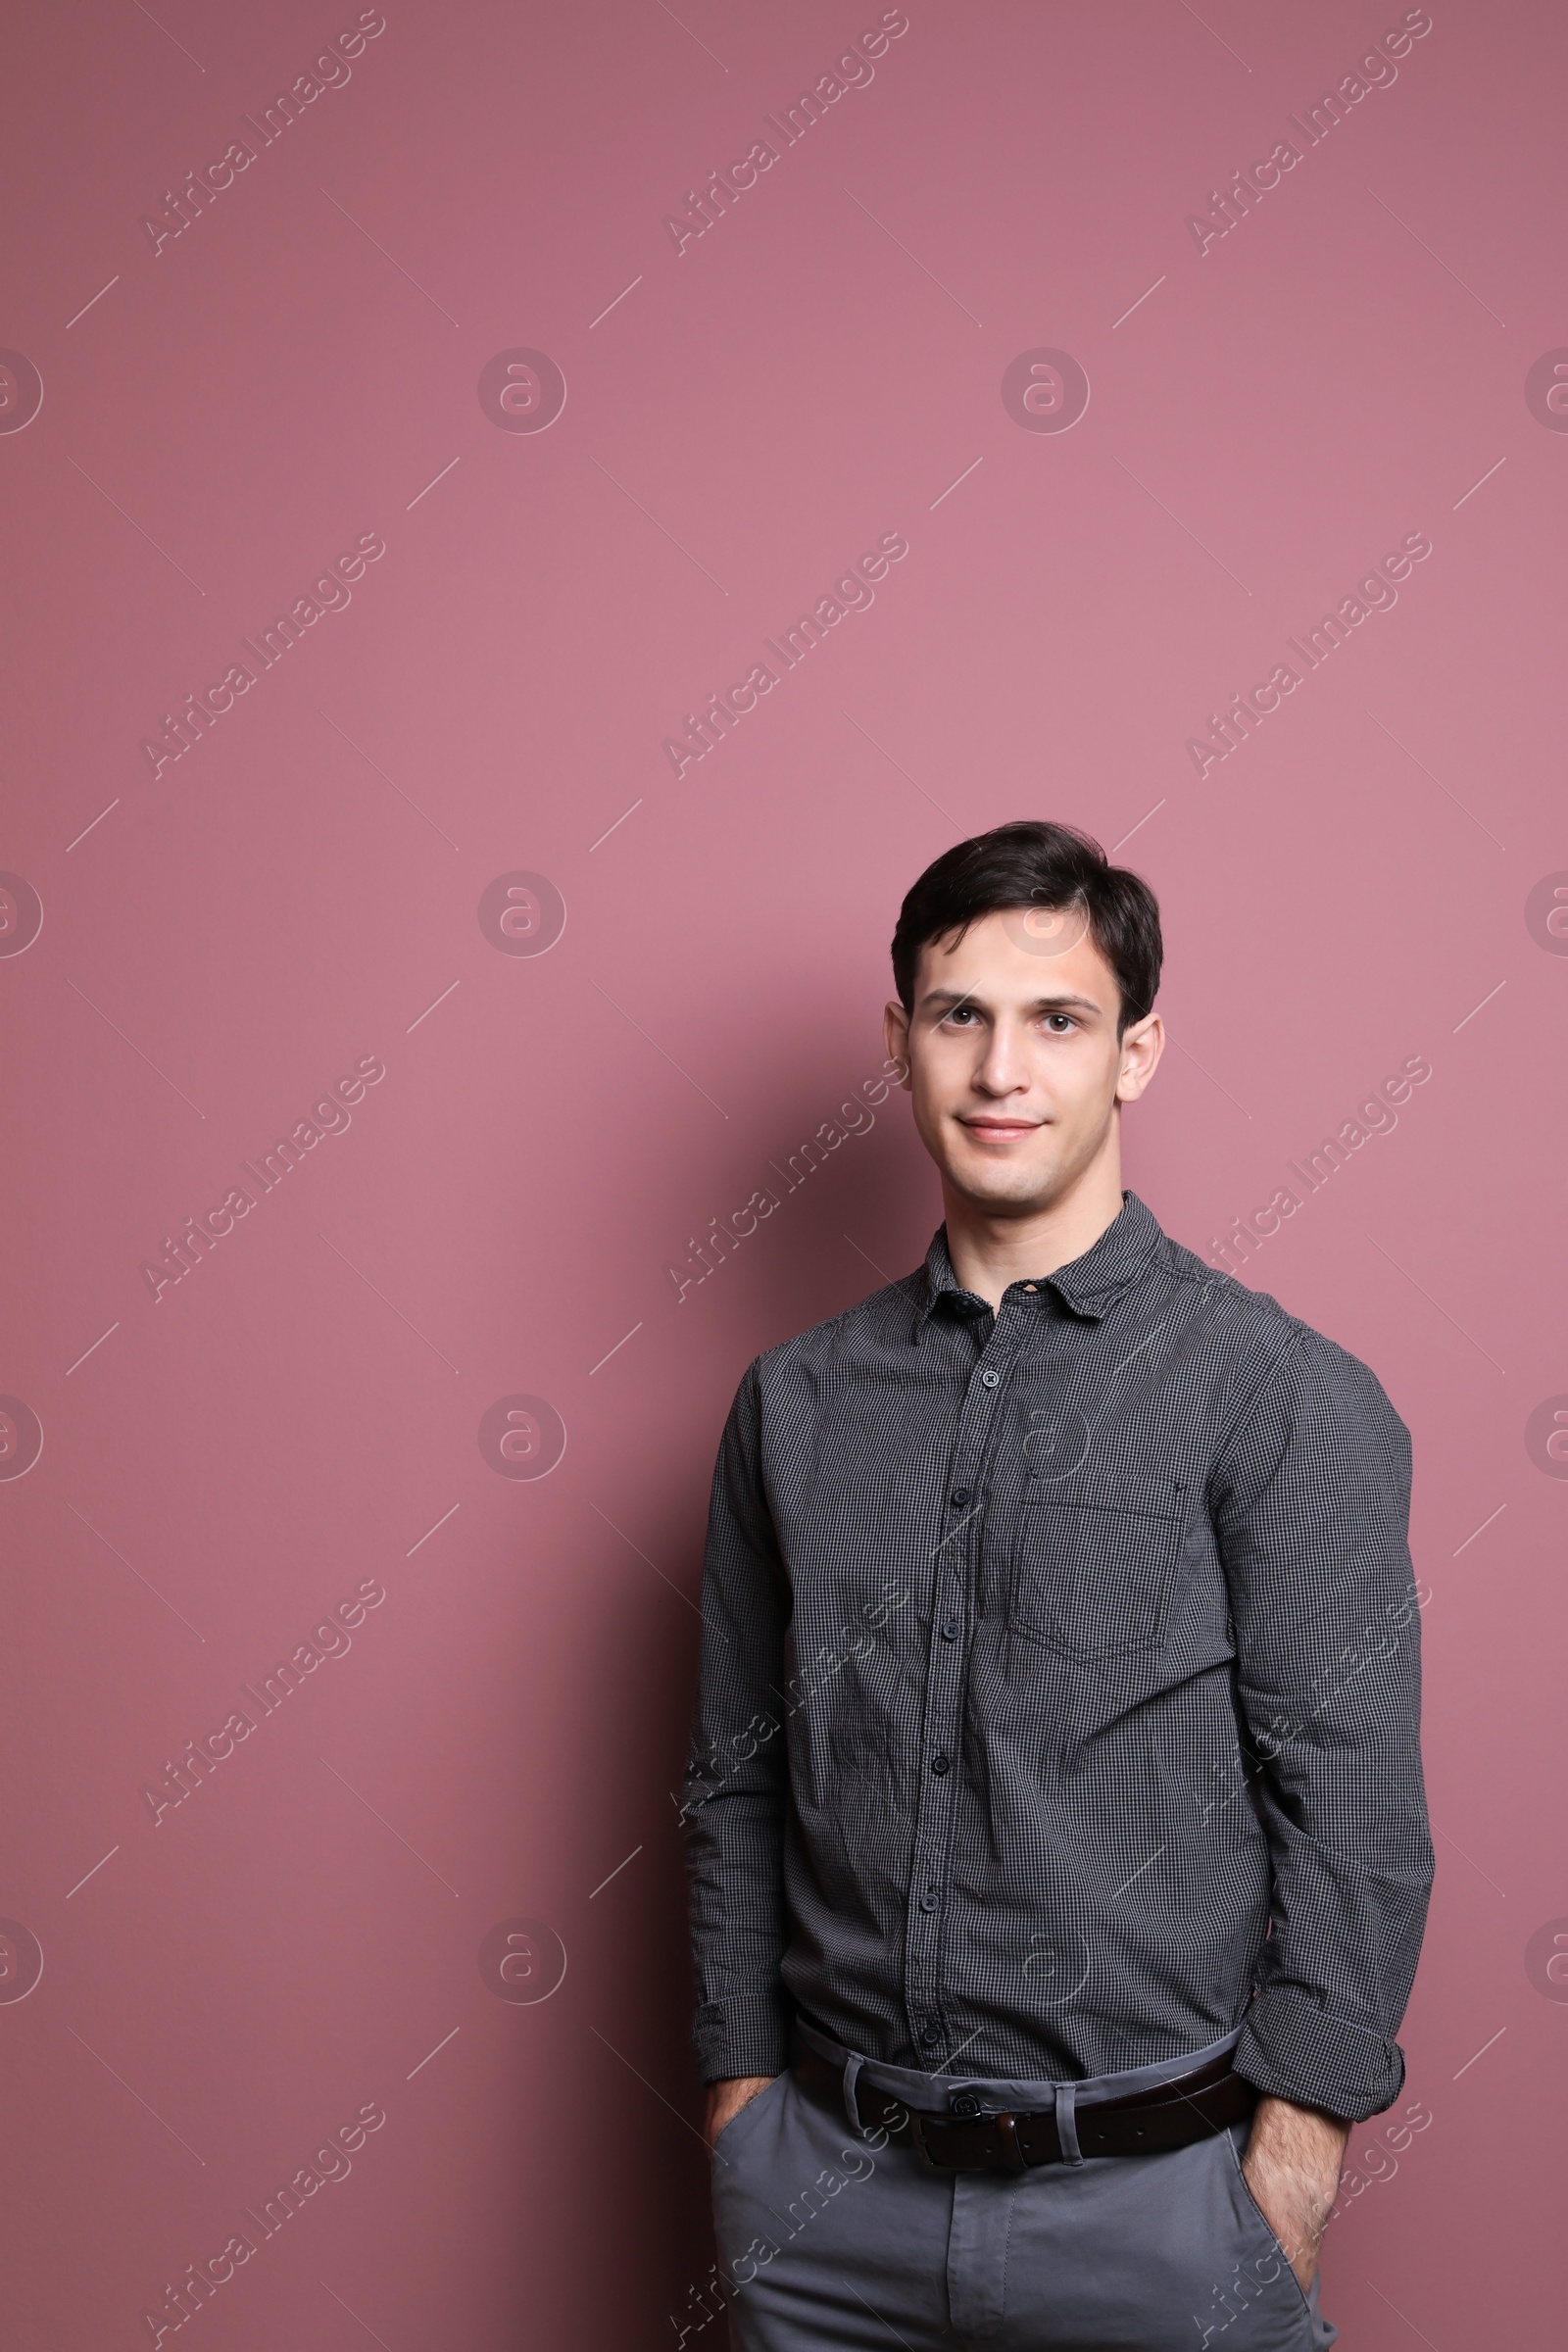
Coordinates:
1066	1020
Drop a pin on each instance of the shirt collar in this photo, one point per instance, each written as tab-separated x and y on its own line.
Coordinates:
1088	1285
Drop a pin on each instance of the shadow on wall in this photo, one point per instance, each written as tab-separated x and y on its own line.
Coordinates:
827	1219
619	2049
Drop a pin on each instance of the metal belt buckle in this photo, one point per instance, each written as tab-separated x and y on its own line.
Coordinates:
1014	2159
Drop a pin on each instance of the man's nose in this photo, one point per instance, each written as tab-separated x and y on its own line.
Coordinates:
1002	1067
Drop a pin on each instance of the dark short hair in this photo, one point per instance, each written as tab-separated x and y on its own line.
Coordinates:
1032	863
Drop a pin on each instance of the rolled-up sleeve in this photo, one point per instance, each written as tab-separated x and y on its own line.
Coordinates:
1312	1501
736	1785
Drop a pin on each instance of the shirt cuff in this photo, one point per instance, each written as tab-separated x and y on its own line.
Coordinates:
748	2035
1294	2049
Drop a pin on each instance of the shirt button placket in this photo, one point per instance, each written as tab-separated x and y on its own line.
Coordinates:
945	1681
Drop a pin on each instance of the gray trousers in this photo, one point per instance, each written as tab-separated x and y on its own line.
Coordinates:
831	2235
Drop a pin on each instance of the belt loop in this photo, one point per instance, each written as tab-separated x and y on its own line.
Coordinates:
852	2075
1067	2123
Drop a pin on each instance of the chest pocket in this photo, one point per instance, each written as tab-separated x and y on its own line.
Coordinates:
1095	1560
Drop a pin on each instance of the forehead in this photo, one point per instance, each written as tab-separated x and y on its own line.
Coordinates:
1018	955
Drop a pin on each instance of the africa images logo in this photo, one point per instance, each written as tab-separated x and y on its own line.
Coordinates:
1545	390
20	1438
523	1437
20	914
1045	391
20	1960
523	913
522	391
522	1961
20	391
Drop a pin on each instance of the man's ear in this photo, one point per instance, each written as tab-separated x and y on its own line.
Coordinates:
1140	1050
896	1038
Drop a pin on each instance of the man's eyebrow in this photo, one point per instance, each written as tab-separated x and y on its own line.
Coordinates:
967	996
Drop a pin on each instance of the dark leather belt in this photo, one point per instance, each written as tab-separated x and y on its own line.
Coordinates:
1146	2123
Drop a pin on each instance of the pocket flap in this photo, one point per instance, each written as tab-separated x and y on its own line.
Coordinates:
1143	1494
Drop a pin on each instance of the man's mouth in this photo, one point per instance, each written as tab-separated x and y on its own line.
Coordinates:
1000	1130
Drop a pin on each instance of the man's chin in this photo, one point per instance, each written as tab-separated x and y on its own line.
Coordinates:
1001	1186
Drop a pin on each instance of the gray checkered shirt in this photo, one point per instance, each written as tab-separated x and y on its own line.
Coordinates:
1060	1688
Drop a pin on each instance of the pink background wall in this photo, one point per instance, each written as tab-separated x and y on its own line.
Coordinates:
320	1928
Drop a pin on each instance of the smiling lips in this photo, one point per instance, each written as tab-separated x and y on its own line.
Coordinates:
1000	1130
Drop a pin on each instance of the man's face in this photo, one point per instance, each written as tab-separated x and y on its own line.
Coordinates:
1015	1067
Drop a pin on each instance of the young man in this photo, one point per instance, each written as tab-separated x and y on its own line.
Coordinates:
1059	1848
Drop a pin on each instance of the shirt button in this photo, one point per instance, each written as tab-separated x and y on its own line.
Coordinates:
941	1764
965	2102
930	2036
951	1630
990	1379
928	1902
964	1494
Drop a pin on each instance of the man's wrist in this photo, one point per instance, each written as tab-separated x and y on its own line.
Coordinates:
1304	2141
1292	2165
729	2096
1300	2128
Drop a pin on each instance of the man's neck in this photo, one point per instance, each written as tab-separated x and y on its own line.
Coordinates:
988	1252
